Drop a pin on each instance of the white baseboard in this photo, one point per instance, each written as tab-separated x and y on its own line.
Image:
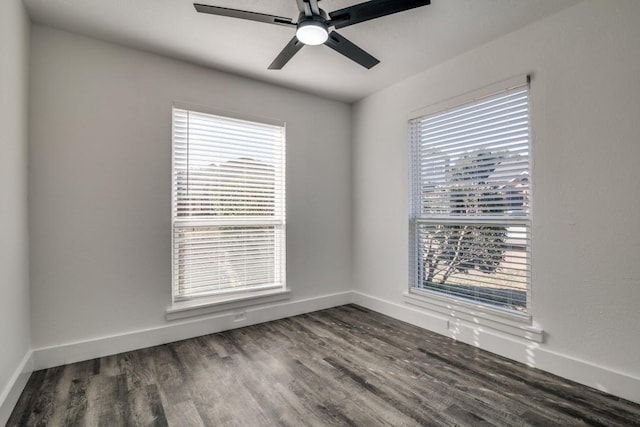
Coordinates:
531	353
179	330
521	350
13	389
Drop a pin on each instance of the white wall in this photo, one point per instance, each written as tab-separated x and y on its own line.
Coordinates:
100	183
14	265
586	145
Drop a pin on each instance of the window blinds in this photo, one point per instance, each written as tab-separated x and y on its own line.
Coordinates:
228	205
470	200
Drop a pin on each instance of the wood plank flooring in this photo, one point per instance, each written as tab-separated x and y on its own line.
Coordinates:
345	366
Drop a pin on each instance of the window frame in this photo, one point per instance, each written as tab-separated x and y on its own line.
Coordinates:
453	306
186	306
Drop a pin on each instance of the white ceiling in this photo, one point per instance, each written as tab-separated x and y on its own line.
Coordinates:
406	43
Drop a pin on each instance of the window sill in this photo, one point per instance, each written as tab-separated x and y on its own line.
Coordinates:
512	323
202	306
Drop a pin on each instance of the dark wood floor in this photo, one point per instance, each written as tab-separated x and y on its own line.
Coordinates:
342	366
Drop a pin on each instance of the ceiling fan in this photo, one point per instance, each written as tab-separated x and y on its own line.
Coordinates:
313	26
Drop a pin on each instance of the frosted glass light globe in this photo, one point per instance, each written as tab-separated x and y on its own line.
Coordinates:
312	33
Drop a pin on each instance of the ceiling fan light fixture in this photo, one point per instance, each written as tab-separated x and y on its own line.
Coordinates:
313	25
312	32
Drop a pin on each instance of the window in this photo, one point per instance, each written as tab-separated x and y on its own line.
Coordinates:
470	209
228	205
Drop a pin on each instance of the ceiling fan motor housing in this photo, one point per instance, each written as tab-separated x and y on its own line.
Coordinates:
314	29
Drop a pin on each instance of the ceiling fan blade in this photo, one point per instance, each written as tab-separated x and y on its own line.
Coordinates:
350	50
287	53
243	14
371	10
